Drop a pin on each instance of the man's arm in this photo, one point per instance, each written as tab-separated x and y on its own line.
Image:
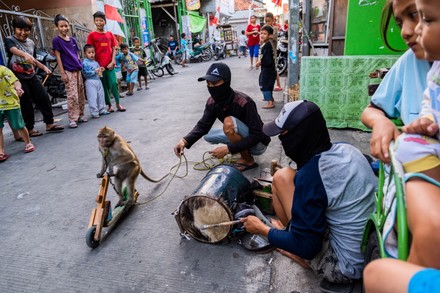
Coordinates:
202	127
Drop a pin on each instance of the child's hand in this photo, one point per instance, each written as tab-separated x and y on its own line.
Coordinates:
258	64
30	59
64	77
47	70
422	126
111	65
19	91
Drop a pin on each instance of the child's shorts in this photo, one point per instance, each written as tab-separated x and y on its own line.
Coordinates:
242	49
254	50
143	71
118	75
417	153
427	280
14	117
132	77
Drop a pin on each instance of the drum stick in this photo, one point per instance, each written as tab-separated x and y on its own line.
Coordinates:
204	227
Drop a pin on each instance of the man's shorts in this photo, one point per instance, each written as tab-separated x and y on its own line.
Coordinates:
417	153
143	71
132	77
14	117
326	264
254	50
427	280
216	135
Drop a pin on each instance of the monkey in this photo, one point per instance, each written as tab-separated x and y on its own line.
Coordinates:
116	152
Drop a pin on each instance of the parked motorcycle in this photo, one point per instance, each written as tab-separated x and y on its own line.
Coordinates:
159	60
219	49
53	83
282	50
201	53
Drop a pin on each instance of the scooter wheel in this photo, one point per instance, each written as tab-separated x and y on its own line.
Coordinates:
90	237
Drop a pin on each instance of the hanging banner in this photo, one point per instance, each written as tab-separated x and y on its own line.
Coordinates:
192	4
144	27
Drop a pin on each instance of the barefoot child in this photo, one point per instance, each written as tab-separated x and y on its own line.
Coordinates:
105	44
140	53
10	91
94	88
67	53
268	72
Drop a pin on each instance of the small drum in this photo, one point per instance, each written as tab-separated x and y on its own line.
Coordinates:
211	203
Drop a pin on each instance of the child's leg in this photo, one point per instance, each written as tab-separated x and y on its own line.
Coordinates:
17	122
27	109
17	136
25	134
81	93
106	86
113	84
92	95
139	82
72	96
2	143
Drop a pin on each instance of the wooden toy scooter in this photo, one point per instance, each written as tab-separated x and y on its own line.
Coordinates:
102	216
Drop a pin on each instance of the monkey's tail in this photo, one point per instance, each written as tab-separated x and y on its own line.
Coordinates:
153	180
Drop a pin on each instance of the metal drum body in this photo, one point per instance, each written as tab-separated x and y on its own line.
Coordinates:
211	203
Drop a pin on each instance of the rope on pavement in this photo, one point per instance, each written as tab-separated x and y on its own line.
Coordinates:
173	175
208	162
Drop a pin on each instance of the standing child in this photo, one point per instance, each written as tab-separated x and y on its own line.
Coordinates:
253	33
21	54
242	41
95	91
67	53
10	91
268	72
184	48
129	60
105	44
140	53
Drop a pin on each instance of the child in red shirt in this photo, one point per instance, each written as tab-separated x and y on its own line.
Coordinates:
105	45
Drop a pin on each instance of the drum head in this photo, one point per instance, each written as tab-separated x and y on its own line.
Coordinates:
199	210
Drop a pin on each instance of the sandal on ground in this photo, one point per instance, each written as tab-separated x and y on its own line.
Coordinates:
55	129
268	107
82	119
110	109
3	157
139	89
35	133
72	124
244	167
121	109
278	89
129	94
29	148
105	112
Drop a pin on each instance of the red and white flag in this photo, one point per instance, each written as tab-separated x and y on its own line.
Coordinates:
110	8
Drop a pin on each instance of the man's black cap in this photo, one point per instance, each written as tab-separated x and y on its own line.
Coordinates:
216	72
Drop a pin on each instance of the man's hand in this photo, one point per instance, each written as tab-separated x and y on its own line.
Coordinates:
254	225
220	152
180	147
422	126
384	131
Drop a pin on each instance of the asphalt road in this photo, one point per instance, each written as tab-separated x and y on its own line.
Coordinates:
47	197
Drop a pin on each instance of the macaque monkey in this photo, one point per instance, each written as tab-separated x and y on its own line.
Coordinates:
117	153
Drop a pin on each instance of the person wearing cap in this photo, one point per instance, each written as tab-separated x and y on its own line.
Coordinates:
242	125
325	203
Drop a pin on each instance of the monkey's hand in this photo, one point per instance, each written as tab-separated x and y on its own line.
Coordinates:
100	175
180	147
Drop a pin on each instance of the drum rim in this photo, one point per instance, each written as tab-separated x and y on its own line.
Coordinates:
219	200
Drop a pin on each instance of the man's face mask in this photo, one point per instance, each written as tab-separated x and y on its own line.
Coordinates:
220	92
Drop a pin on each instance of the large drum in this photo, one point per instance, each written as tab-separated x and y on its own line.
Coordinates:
211	203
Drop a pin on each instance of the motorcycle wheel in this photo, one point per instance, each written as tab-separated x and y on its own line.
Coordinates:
281	65
158	72
206	55
178	58
169	69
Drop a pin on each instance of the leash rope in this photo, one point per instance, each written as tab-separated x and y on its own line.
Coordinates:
209	162
173	175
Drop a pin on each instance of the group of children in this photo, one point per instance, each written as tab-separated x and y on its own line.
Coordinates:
97	69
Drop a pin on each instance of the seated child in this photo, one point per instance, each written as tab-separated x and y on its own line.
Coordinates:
129	60
94	89
10	108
